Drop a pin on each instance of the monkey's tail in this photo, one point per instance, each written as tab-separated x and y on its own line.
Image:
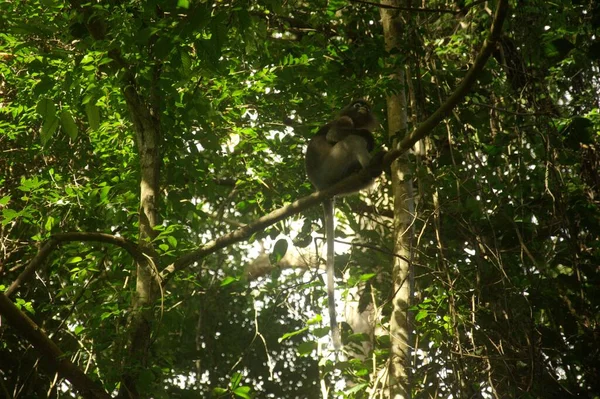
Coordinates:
328	208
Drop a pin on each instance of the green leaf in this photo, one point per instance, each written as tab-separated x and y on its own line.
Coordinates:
421	315
104	194
228	280
93	114
367	276
183	4
75	259
306	348
236	378
49	223
293	333
172	241
356	388
30	184
46	108
48	128
4	200
321	332
279	250
21	303
163	47
218	30
242	392
87	59
8	215
186	62
68	124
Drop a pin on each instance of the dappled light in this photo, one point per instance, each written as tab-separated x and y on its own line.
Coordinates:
159	237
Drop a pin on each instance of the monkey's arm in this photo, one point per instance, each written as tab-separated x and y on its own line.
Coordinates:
339	129
343	128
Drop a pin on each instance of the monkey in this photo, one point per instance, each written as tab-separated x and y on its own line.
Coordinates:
338	149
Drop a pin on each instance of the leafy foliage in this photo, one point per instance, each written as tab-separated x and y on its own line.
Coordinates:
507	218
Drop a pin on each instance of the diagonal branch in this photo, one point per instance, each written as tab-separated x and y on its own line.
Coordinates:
56	239
54	359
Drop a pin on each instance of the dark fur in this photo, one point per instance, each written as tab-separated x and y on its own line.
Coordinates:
340	148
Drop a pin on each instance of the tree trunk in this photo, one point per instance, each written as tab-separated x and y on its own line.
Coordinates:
400	329
146	126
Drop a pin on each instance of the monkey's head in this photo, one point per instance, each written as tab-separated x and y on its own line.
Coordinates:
360	113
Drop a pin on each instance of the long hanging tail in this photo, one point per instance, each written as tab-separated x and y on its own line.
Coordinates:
328	207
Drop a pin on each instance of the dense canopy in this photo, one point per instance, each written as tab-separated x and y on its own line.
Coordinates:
151	153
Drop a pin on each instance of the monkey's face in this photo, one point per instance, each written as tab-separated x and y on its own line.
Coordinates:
360	112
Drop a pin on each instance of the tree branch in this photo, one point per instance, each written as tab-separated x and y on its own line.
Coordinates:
56	239
37	260
56	359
